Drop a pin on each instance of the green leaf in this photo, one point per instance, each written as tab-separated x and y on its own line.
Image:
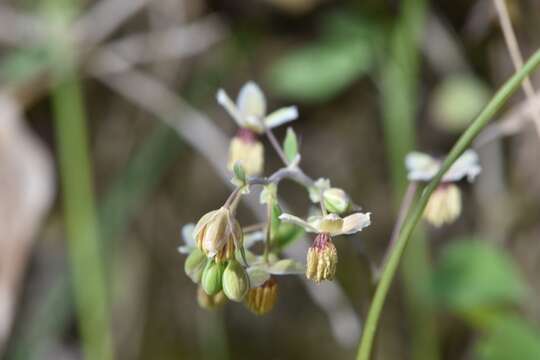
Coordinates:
287	234
509	338
290	145
275	222
473	278
320	71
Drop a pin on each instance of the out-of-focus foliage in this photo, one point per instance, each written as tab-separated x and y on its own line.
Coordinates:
509	338
474	277
457	100
320	70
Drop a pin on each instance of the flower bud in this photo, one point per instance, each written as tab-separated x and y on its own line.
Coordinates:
336	200
235	281
444	205
210	302
321	259
195	264
211	281
248	151
261	300
215	233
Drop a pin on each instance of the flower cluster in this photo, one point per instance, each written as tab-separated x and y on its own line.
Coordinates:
219	250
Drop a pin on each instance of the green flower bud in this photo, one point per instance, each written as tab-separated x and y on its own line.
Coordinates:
235	281
210	302
336	200
195	264
211	278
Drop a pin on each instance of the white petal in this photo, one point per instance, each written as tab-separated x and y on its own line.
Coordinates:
420	166
281	116
355	222
187	234
251	101
288	218
286	267
251	238
224	100
257	276
184	249
467	165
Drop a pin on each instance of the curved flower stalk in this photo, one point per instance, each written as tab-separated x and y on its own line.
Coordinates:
322	255
249	112
444	205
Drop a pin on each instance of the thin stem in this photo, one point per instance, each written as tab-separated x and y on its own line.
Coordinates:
267	244
275	145
253	228
403	210
517	58
389	271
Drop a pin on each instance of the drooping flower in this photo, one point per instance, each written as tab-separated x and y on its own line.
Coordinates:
444	205
250	114
322	255
217	234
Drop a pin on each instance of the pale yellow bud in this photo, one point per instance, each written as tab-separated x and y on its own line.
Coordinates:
261	300
444	205
249	152
321	259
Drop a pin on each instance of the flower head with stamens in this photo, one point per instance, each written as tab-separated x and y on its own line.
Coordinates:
249	112
444	205
322	255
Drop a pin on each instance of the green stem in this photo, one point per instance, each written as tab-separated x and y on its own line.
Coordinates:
85	255
462	144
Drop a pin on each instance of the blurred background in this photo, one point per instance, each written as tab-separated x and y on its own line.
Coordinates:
111	140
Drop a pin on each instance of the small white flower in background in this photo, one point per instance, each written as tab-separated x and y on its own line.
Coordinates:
249	112
423	167
444	205
322	254
250	109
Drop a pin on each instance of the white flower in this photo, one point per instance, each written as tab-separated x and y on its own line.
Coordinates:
250	109
423	167
332	224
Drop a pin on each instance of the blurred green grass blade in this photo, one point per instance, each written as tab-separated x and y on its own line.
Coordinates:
86	263
399	102
142	175
473	277
509	338
321	70
126	195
